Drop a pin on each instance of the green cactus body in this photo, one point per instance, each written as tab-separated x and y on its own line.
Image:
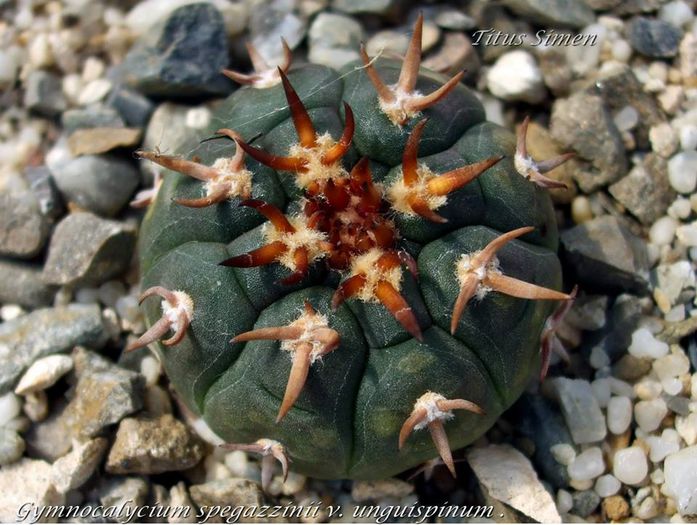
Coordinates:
347	419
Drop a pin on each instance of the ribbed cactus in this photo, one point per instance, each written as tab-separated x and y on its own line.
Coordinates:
367	268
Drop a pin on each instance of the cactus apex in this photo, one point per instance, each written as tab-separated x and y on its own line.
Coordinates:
532	170
478	273
401	101
308	339
270	450
177	313
430	411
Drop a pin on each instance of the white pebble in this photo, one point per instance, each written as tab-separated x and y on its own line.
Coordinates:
110	291
565	501
681	208
649	414
607	485
151	369
44	373
675	314
657	477
128	309
40	53
599	358
563	453
672	386
601	391
94	91
688	137
87	295
662	231
626	119
588	465
630	465
581	209
660	447
682	171
621	50
680	471
664	140
647	509
647	389
677	13
92	69
687	428
8	67
198	118
10	407
621	388
8	312
672	365
644	344
619	414
516	76
687	234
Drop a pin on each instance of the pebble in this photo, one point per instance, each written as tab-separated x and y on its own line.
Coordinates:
271	21
9	64
75	468
581	410
621	50
616	508
598	358
11	446
333	40
24	230
563	453
581	209
34	478
682	171
380	489
132	107
94	91
583	124
43	94
386	41
584	59
179	498
509	477
44	373
455	54
102	184
604	253
687	234
677	13
653	38
588	465
607	485
662	231
686	426
565	501
553	12
94	141
630	465
183	56
666	444
619	414
664	140
230	491
585	503
516	77
127	494
673	365
649	414
626	119
454	20
44	332
378	7
645	345
648	389
87	249
680	470
153	446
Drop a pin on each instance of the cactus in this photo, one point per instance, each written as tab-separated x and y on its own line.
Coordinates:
353	256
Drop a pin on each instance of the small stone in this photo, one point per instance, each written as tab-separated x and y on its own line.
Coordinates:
648	389
378	7
33	478
680	470
649	414
380	489
127	495
671	98
619	414
688	58
94	116
557	69
153	446
182	56
75	468
508	476
132	107
44	373
615	508
87	249
44	94
563	453
44	332
563	13
626	119
588	312
583	123
102	184
9	64
387	40
11	446
455	54
100	140
333	40
588	464
603	252
664	140
677	13
585	503
230	491
682	171
581	410
179	499
630	465
645	345
581	210
269	22
671	366
584	58
565	501
668	443
602	391
607	485
36	406
94	91
686	427
662	231
598	358
23	228
653	38
516	77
